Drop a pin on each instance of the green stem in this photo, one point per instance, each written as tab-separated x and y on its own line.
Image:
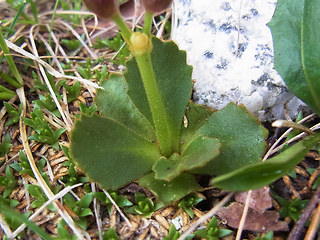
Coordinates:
156	105
125	30
10	61
52	20
10	80
147	23
6	96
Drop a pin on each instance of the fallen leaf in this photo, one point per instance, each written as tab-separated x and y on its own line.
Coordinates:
255	221
260	199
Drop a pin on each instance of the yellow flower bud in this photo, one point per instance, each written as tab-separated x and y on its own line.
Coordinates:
140	43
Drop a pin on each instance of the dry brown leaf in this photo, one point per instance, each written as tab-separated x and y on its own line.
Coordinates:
260	199
255	221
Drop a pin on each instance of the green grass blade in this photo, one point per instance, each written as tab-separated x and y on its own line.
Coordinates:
10	61
9	212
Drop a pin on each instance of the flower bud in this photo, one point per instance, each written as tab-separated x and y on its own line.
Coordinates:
140	43
156	6
103	8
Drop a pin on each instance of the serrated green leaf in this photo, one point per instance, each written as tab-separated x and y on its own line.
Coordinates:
195	116
296	48
241	136
170	191
196	154
114	103
109	152
263	173
173	77
14	113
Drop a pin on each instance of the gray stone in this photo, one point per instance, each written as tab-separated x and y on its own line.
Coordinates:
230	47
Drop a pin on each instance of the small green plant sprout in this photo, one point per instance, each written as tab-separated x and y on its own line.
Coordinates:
116	44
63	233
141	125
8	181
5	145
212	231
92	110
268	236
102	74
46	102
291	208
72	91
173	233
23	167
145	206
72	177
120	200
71	44
44	133
80	208
13	113
85	69
39	196
110	235
189	201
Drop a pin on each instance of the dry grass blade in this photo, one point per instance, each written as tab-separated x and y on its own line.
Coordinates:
43	73
244	215
5	227
118	209
66	58
39	210
290	124
23	133
66	113
273	149
314	226
70	12
50	69
93	55
96	210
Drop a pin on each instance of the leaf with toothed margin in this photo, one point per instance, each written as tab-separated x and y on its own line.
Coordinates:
242	139
174	79
196	154
114	102
123	135
109	152
171	191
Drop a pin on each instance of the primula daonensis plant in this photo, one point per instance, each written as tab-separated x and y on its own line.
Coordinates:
148	130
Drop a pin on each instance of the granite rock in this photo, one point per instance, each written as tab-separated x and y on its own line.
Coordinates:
230	47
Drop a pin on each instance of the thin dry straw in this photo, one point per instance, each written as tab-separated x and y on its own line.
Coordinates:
25	142
50	69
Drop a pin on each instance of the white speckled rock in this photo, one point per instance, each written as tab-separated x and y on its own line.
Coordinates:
230	47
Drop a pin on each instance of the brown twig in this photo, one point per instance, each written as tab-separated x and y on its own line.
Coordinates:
298	227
